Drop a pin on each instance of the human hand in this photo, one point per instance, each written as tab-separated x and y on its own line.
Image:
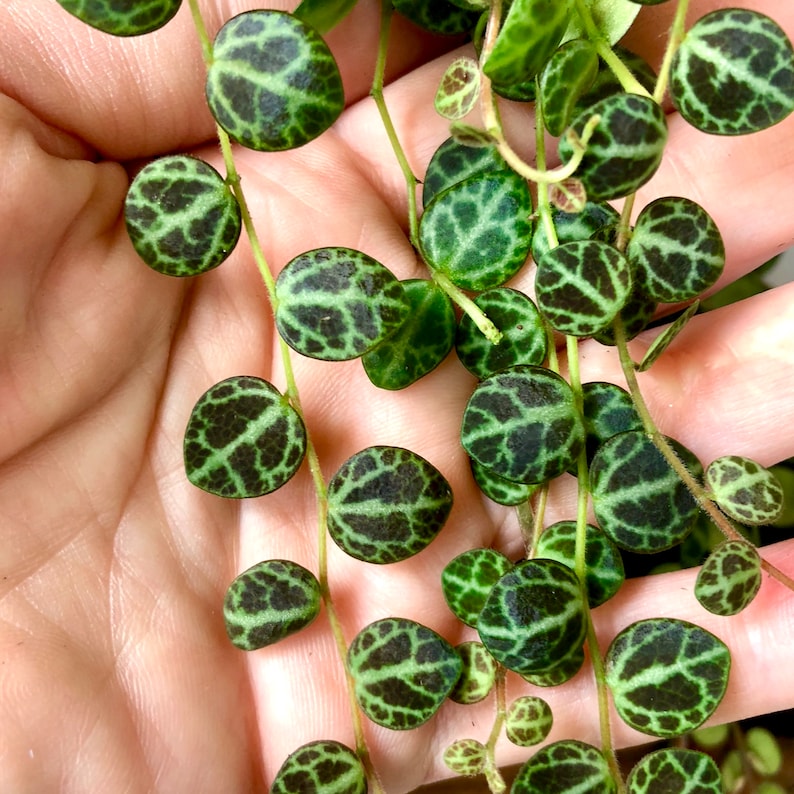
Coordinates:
115	669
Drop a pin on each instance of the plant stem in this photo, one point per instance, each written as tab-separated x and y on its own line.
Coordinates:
677	33
461	299
494	777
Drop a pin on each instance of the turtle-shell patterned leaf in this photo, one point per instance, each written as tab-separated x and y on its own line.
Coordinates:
273	83
733	73
336	303
608	410
675	769
466	757
324	765
243	439
402	672
438	16
269	602
122	17
467	580
478	676
564	767
528	720
459	90
181	216
730	578
561	672
498	489
667	676
571	226
745	490
386	504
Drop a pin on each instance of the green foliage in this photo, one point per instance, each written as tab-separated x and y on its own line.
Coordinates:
626	148
563	671
386	504
638	499
635	316
336	303
528	720
467	580
611	18
459	91
269	602
665	339
523	425
730	578
122	17
498	489
581	286
478	676
181	216
744	489
402	672
323	15
534	616
566	767
676	250
465	757
763	751
273	83
608	410
567	76
437	16
734	73
574	226
674	769
667	676
478	231
323	765
524	339
243	439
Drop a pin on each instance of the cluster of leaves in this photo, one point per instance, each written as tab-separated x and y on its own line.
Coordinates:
273	84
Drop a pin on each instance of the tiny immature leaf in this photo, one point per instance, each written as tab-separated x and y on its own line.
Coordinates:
467	580
564	767
386	504
465	757
733	73
336	304
478	676
123	17
730	578
181	216
745	490
675	769
667	676
273	83
269	602
243	439
402	672
459	91
324	765
323	15
665	339
528	721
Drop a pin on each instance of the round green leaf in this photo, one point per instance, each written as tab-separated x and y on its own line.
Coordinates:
667	676
639	501
676	250
243	439
675	769
573	226
528	721
336	303
478	676
524	339
581	286
745	490
608	410
437	16
465	757
730	578
763	751
402	672
324	765
181	216
123	17
273	84
733	73
523	425
420	344
565	767
459	91
386	504
626	148
561	672
533	617
567	75
498	489
635	315
268	602
467	580
478	231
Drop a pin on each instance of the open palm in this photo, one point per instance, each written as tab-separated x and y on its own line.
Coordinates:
115	670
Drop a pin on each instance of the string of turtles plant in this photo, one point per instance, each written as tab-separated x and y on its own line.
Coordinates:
272	84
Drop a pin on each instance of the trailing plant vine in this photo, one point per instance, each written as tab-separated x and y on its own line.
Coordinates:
272	84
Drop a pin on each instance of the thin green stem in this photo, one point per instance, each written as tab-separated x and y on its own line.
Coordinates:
677	33
496	782
544	203
461	299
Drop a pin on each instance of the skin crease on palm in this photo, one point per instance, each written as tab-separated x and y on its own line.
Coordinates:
115	671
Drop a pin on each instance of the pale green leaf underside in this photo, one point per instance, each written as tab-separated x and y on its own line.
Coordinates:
323	15
666	338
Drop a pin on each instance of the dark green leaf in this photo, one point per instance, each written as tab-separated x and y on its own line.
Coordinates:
181	216
459	91
635	316
533	617
402	672
323	15
273	83
325	766
122	17
730	578
437	16
523	425
498	489
243	439
268	602
612	18
336	303
606	83
524	339
561	672
665	339
566	767
420	344
733	73
386	504
608	410
467	580
581	286
567	75
745	490
528	721
626	148
478	231
674	769
639	501
573	226
478	676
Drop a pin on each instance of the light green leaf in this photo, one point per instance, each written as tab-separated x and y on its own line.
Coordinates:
612	18
478	676
466	757
666	337
323	15
459	91
528	720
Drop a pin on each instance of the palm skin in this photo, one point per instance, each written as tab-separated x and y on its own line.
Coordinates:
115	670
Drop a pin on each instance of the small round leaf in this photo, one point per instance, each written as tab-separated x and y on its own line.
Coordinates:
478	676
465	757
437	16
123	17
467	580
459	90
528	721
324	765
730	578
565	767
745	490
675	769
